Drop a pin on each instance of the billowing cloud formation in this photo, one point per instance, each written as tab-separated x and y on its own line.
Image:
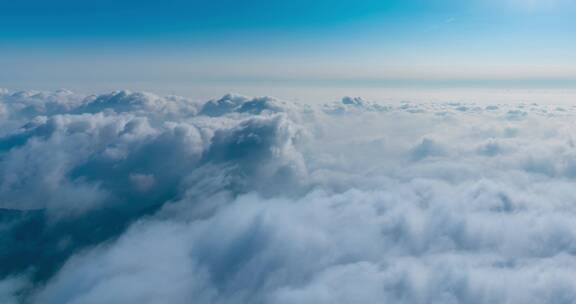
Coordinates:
135	198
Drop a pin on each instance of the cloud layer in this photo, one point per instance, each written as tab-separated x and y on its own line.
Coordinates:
136	198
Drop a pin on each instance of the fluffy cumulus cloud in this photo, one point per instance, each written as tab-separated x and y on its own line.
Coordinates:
137	198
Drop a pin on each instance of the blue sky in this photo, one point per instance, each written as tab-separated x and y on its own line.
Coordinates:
64	43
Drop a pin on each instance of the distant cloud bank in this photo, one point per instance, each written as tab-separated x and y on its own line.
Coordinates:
136	198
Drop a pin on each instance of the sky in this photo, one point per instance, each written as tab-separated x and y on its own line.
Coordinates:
140	196
197	44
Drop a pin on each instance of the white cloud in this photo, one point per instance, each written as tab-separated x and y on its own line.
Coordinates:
141	198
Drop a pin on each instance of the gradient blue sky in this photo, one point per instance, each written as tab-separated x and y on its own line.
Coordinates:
111	44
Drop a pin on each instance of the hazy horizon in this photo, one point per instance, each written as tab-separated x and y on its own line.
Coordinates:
447	43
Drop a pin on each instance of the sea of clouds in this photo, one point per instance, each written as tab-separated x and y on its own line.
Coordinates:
135	198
